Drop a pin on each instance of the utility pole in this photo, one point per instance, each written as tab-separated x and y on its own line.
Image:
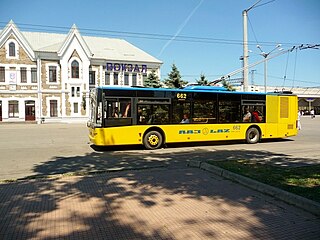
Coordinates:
245	50
266	58
245	43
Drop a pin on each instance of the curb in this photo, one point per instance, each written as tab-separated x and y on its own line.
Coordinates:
293	199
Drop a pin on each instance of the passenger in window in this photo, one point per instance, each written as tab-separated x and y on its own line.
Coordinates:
247	115
115	112
127	111
256	115
152	119
141	118
185	119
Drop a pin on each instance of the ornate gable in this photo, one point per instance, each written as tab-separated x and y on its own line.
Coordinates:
15	44
74	35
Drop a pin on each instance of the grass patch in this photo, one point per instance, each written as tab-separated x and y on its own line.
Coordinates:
303	181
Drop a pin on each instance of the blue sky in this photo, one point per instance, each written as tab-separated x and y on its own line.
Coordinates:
286	22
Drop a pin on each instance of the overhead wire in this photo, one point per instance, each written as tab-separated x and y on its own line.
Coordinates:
262	4
288	79
140	35
155	36
254	34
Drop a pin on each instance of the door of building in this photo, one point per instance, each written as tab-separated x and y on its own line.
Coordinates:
30	111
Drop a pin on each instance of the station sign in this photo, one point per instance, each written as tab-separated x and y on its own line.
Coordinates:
126	67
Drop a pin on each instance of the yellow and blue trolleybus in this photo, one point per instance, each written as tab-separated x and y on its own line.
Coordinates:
156	116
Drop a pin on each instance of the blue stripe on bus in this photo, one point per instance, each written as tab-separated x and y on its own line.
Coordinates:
178	90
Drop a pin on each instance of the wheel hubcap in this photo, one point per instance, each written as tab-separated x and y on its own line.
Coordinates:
153	140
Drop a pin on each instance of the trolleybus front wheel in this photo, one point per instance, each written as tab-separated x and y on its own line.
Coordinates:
252	135
152	140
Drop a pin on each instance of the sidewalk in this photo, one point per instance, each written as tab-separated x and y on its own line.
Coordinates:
164	203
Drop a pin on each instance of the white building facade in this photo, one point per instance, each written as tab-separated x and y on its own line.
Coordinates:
48	76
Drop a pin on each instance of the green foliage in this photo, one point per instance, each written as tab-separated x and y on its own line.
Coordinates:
174	79
227	85
203	81
152	80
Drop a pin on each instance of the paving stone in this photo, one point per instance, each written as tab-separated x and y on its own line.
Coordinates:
184	203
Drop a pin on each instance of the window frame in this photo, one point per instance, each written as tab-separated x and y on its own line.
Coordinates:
78	92
115	78
126	79
92	77
53	111
23	75
52	72
75	66
107	78
73	91
34	75
123	105
12	49
134	79
2	74
76	107
13	105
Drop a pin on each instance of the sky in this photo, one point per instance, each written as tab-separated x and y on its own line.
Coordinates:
198	36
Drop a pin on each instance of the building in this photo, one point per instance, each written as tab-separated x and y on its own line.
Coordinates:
48	76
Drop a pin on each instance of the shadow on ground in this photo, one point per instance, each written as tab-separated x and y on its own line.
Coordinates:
30	208
135	157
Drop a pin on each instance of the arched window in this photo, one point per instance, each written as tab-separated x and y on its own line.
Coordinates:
12	49
75	69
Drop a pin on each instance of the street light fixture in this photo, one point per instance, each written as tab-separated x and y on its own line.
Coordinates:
266	55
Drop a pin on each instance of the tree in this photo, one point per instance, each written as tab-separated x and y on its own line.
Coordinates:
152	80
203	81
174	78
227	85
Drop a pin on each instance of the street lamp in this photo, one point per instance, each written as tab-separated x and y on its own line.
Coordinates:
266	55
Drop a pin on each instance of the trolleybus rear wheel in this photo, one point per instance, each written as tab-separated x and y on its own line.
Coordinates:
252	135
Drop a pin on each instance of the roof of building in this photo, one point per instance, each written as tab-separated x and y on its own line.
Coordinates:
100	47
113	49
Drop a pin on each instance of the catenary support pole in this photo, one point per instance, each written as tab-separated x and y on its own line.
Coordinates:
245	51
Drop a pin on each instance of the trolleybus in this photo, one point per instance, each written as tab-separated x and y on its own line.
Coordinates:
153	116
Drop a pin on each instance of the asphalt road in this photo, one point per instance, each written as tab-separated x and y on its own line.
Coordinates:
30	149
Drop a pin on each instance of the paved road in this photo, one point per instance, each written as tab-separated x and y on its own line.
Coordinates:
174	202
28	150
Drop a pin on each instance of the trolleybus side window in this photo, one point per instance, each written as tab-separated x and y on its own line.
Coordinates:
153	110
204	107
117	112
118	108
256	108
229	108
153	114
179	109
204	111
